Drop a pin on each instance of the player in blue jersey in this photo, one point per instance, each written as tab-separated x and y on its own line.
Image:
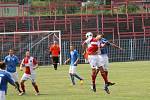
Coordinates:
73	58
5	77
11	62
103	53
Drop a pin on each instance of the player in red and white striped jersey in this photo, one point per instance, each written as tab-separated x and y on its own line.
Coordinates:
92	47
30	64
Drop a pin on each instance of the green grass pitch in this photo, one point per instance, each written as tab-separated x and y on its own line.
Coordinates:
132	83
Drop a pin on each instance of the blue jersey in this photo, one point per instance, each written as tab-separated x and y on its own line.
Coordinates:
104	50
4	79
11	63
73	57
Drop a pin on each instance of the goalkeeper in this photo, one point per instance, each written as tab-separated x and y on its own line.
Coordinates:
54	51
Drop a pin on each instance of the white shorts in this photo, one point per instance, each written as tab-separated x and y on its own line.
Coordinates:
95	61
105	61
32	77
2	95
72	69
14	76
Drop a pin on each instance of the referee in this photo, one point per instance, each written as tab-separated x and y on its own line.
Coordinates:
54	53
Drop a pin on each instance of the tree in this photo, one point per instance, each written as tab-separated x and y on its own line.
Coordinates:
108	2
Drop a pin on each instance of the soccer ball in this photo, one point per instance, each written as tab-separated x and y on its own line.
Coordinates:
89	34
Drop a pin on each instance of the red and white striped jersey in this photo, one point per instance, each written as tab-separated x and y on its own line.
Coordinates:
92	45
29	63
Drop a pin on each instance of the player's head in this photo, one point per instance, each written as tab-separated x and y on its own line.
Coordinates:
11	51
2	66
89	34
71	47
55	42
99	36
27	53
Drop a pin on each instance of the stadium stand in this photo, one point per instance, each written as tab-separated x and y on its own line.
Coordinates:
73	26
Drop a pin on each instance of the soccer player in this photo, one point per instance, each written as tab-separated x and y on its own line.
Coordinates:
5	77
30	64
73	58
11	62
104	56
92	46
54	54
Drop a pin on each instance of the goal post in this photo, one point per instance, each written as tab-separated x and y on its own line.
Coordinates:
35	41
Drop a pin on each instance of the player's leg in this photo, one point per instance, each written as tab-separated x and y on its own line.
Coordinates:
92	61
53	58
36	88
24	78
100	61
106	65
71	75
76	75
93	79
100	64
15	77
22	87
34	84
2	95
103	74
55	62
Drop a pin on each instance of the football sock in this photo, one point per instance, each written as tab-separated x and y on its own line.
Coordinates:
55	66
35	87
103	74
78	77
22	86
93	77
106	72
18	86
72	78
97	72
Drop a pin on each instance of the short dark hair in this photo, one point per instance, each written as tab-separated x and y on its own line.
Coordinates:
2	65
11	49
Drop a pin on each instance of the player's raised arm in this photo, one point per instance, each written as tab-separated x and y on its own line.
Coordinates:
35	63
21	65
89	36
116	46
84	46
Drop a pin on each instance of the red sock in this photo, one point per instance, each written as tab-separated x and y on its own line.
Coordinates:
22	86
103	74
35	87
93	77
106	72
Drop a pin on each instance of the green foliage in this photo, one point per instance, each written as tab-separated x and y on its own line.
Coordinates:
39	3
130	9
108	2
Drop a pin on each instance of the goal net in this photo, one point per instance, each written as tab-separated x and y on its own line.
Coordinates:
38	42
